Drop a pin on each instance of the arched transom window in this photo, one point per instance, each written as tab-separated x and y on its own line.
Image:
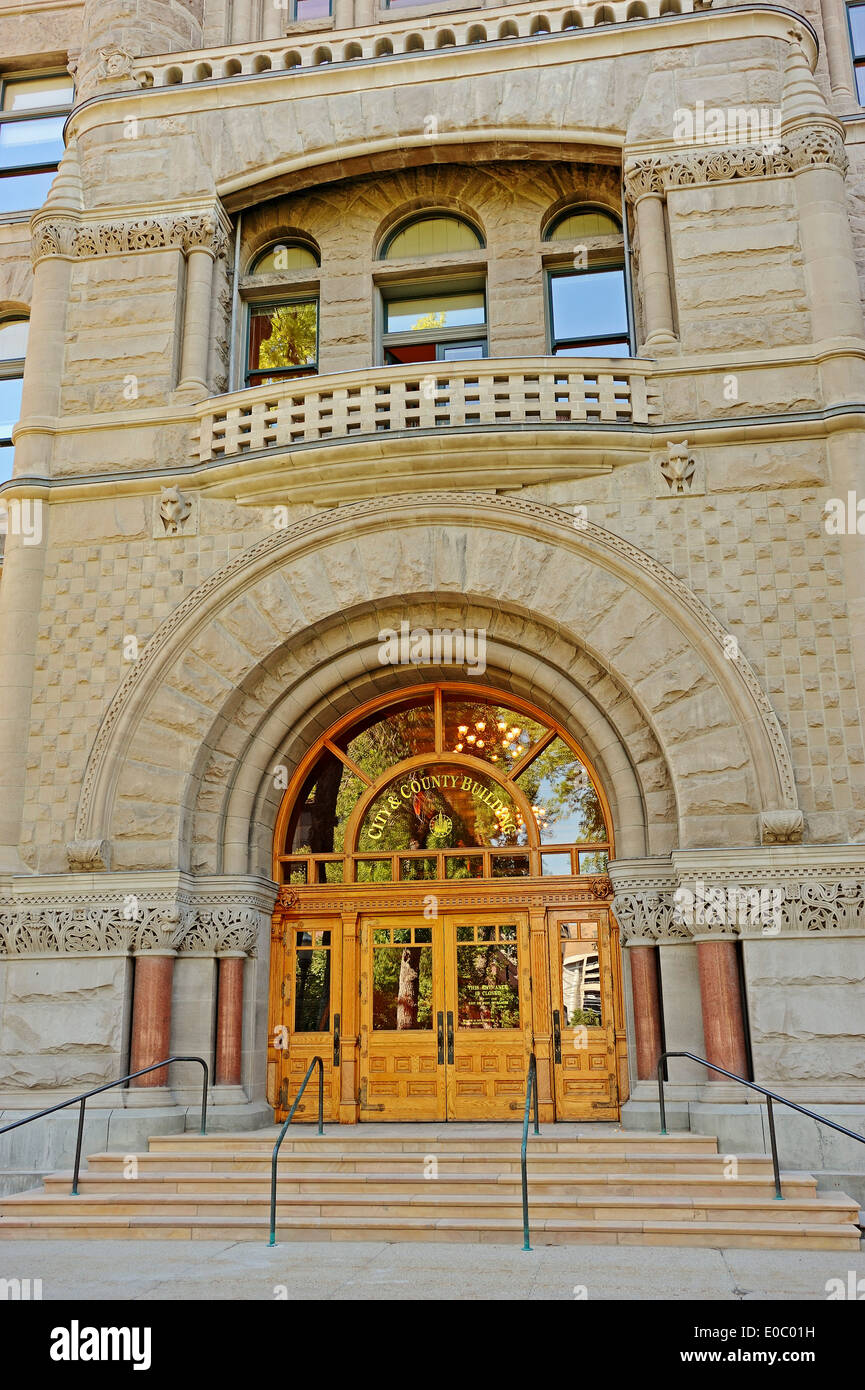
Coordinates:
450	782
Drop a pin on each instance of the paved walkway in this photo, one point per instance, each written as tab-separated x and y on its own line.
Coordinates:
348	1270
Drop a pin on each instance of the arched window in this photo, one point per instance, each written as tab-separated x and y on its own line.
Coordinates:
449	783
282	318
587	303
284	255
13	348
441	318
431	236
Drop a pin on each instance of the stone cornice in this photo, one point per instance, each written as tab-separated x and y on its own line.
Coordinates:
81	239
818	145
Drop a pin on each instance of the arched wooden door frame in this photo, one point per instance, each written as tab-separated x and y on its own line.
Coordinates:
340	907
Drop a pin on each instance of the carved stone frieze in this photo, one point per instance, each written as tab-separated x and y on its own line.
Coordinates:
79	240
95	923
807	147
645	915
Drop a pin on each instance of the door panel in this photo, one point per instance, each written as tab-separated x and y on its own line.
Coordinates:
402	1024
584	1023
310	1027
488	1015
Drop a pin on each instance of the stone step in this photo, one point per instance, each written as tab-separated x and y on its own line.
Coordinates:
262	1141
473	1230
432	1206
499	1161
606	1184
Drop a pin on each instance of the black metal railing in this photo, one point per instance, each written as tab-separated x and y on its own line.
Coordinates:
316	1061
97	1090
771	1098
531	1086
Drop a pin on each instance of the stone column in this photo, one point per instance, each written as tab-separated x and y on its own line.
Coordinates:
196	322
723	1027
838	57
26	542
816	144
151	1015
274	17
643	907
229	1019
655	281
647	1009
242	21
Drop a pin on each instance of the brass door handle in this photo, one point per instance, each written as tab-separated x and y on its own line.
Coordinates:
336	1040
440	1020
450	1037
557	1035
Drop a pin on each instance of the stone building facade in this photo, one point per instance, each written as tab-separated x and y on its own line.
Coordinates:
198	568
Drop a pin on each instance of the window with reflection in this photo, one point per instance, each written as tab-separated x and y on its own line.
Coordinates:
433	319
587	303
581	975
13	348
32	115
312	975
282	313
488	986
402	982
449	783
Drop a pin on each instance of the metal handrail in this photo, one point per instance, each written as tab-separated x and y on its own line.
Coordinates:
82	1100
274	1160
771	1097
531	1085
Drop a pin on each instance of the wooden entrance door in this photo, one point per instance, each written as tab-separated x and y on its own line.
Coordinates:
305	988
585	1005
445	1016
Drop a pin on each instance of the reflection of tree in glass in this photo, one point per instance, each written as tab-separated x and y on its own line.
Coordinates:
402	988
557	780
291	342
312	992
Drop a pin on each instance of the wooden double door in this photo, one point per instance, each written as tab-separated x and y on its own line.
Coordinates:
425	1018
446	1029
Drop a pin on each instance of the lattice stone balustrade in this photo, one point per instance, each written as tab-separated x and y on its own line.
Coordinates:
394	37
492	394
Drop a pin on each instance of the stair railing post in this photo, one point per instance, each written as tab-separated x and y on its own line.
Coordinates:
779	1196
74	1192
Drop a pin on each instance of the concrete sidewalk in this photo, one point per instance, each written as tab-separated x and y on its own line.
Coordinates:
348	1270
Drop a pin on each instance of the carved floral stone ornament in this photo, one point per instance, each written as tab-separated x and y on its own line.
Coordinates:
678	467
114	922
77	240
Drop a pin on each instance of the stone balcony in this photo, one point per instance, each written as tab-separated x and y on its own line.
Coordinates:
494	393
402	35
478	423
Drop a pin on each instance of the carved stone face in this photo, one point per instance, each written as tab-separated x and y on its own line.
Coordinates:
174	509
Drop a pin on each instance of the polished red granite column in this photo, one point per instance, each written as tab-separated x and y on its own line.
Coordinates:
723	1026
229	1020
647	1009
151	1016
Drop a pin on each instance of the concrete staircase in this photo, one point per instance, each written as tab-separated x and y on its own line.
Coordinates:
594	1185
